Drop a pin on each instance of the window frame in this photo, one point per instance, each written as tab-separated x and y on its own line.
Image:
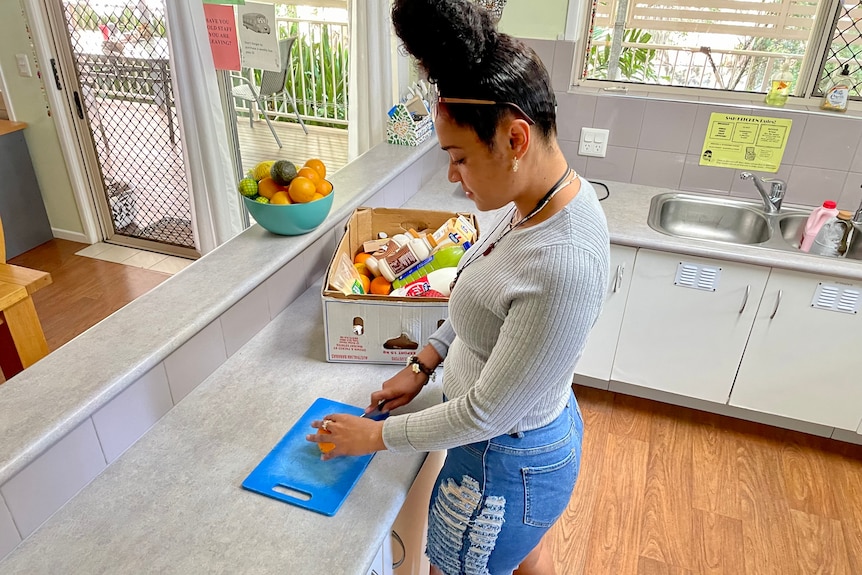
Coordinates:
812	65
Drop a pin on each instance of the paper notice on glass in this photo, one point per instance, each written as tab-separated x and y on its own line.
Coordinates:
258	36
748	142
221	26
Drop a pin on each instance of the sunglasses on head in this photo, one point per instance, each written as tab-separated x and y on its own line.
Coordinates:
472	102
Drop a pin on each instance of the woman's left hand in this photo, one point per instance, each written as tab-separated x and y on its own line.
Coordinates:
350	434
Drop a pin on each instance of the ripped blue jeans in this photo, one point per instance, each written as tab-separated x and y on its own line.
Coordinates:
494	500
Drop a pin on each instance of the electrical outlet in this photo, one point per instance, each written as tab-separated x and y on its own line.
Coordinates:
594	142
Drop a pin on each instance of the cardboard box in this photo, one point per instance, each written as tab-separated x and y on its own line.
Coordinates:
374	328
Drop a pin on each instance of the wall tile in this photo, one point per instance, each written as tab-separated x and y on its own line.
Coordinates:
829	143
574	111
623	117
128	416
378	200
46	484
564	61
318	255
544	49
701	121
811	186
570	151
856	164
195	360
9	537
616	166
697	178
244	319
797	131
287	284
745	188
395	193
410	181
667	126
851	196
661	169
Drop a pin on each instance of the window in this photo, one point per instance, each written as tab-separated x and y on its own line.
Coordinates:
734	45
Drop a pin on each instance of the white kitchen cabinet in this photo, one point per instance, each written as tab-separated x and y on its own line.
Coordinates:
686	323
412	521
803	359
377	566
597	360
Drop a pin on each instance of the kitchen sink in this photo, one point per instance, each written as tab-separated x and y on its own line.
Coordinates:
707	218
734	221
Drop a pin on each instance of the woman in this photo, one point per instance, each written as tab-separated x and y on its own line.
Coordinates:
522	304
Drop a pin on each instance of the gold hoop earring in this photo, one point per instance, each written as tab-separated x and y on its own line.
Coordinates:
515	164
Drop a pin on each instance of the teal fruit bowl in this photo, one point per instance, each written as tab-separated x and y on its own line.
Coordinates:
290	219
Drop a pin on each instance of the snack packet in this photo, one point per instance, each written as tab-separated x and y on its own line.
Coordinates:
345	277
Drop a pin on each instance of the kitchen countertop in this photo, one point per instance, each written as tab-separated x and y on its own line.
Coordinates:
8	126
173	502
158	506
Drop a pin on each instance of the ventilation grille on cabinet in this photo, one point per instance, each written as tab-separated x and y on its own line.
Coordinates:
697	276
836	297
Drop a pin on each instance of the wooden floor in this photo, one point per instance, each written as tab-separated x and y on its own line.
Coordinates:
663	490
84	290
257	144
666	490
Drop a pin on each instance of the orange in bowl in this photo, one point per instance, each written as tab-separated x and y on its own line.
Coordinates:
309	173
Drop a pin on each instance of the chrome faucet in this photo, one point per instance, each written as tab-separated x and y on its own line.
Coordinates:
773	198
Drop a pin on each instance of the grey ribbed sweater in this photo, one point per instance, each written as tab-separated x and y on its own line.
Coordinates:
518	321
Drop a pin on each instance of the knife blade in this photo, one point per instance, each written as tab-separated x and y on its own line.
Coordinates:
377	414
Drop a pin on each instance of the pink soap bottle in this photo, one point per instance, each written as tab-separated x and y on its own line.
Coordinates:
818	217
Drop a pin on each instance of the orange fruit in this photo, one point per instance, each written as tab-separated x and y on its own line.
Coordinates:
310	174
301	190
381	286
279	197
324	447
317	165
324	188
267	188
364	271
361	257
316	197
366	283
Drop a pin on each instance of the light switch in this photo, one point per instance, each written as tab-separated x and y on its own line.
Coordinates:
23	65
594	142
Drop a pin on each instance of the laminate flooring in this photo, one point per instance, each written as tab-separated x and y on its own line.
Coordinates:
665	490
84	290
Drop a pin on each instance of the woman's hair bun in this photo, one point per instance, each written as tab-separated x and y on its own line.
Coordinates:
449	38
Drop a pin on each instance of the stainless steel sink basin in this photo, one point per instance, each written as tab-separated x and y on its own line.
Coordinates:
790	226
735	221
707	218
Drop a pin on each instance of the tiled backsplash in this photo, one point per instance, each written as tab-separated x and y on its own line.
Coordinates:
658	142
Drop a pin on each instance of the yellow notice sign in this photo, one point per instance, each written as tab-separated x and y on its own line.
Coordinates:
748	142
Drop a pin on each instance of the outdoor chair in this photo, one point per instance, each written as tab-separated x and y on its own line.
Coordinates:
272	84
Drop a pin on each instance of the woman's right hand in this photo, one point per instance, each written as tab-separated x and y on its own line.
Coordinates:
398	390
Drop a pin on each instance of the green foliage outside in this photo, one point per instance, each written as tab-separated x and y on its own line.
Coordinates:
636	64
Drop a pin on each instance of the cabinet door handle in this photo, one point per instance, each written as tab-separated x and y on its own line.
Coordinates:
618	279
745	298
777	303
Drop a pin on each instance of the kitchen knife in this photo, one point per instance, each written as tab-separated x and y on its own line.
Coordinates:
376	414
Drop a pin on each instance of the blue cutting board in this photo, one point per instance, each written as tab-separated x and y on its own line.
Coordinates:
295	464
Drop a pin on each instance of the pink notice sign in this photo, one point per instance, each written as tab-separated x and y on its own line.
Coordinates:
221	25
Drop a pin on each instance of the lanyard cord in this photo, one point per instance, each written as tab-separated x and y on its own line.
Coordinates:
561	183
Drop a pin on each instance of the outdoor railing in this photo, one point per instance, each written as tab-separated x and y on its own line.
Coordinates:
735	70
318	73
